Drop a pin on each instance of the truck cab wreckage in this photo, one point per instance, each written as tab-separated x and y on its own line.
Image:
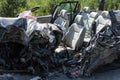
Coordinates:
70	41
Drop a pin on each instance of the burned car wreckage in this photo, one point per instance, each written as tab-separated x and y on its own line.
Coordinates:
27	46
103	47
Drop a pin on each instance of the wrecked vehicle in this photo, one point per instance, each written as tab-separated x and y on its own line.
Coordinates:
103	47
25	44
74	42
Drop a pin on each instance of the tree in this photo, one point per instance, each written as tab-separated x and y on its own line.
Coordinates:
10	8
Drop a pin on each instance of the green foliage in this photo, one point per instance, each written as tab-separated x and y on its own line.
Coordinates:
112	4
10	8
46	6
93	4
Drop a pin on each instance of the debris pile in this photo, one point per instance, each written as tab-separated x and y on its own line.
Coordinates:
27	53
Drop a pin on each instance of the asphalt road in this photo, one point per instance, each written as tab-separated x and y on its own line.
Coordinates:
108	75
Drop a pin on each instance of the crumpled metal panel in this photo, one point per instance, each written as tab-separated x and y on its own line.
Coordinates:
13	41
18	22
102	49
42	44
